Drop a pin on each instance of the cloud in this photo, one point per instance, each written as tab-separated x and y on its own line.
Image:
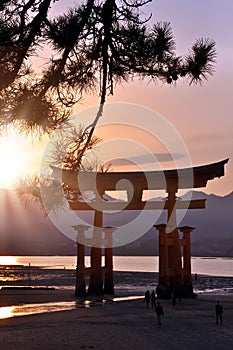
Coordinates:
156	158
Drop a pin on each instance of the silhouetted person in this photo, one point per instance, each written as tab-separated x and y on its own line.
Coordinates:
173	296
159	312
147	298
153	298
218	312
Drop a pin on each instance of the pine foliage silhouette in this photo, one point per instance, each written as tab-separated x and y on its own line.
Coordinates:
94	46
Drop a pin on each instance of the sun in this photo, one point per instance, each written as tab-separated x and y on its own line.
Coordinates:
13	158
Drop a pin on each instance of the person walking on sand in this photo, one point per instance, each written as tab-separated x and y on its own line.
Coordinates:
218	312
159	313
153	298
173	297
147	298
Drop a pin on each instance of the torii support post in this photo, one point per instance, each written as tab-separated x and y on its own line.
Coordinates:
163	289
80	286
187	277
108	280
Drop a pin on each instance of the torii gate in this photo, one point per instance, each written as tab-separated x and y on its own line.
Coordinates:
169	180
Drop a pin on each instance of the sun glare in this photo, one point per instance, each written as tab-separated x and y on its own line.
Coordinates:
15	151
6	312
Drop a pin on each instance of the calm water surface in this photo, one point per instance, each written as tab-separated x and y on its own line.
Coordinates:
205	266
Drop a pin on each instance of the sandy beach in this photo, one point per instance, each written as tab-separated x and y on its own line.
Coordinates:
118	325
104	323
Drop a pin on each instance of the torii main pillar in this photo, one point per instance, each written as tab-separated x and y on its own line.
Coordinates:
187	277
174	260
167	281
96	277
163	288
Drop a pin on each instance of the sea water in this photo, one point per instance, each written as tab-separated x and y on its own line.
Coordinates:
219	266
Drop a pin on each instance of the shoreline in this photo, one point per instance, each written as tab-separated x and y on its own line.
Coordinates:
100	323
124	281
122	325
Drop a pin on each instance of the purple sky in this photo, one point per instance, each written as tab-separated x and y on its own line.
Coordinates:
201	114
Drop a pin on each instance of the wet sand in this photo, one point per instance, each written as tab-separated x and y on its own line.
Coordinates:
125	281
118	325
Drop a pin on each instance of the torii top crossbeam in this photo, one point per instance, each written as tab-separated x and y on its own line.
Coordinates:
134	183
158	180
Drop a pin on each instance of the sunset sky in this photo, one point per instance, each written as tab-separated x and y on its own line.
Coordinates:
202	115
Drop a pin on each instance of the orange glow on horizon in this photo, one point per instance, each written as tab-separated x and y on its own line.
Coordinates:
8	260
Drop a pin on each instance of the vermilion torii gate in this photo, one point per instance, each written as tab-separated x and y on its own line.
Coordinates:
171	273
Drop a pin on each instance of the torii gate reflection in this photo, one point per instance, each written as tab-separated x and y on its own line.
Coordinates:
171	274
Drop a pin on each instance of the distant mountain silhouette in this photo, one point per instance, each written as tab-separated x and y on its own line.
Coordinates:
213	234
24	230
